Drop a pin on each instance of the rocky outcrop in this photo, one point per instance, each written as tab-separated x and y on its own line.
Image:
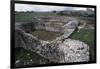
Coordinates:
74	51
57	51
65	26
43	48
60	50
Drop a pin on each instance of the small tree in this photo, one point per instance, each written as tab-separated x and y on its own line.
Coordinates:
54	11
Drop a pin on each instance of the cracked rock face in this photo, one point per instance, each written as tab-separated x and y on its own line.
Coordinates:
59	50
74	51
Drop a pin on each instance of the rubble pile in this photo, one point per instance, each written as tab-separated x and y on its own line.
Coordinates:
60	50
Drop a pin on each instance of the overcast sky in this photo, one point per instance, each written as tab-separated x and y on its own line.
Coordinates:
42	8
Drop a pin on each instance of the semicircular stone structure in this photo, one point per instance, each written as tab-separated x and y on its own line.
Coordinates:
60	50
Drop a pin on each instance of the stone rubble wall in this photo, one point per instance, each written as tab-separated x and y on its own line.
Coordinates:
50	23
66	28
43	48
60	50
57	51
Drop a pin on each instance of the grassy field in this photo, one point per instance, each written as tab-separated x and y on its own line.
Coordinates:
27	17
27	58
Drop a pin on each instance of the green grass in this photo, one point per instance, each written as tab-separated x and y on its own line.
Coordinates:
23	17
28	17
26	56
87	36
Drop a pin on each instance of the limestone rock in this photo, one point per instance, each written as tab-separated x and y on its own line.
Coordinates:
75	51
60	50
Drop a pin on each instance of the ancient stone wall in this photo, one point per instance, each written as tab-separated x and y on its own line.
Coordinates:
51	23
60	50
43	48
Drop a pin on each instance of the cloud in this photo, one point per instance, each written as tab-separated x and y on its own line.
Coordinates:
29	7
26	7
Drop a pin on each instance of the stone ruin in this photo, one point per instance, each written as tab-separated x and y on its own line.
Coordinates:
60	50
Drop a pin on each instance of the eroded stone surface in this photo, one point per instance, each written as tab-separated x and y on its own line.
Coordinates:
75	51
60	50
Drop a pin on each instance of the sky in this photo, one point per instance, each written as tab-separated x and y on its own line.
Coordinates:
43	8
